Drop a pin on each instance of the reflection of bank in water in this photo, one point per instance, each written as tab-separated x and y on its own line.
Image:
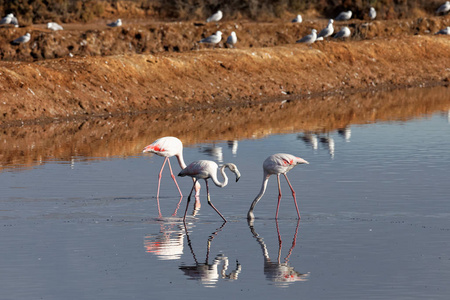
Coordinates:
125	136
281	273
209	273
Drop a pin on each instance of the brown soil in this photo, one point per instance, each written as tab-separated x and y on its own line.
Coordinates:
131	83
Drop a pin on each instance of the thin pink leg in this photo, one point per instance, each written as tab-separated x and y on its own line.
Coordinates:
159	178
187	204
280	243
293	195
279	196
174	180
209	201
159	209
178	206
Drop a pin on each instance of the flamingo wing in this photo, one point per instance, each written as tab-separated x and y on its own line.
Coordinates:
201	169
166	146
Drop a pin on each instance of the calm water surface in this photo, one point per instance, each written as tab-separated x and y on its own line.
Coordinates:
375	222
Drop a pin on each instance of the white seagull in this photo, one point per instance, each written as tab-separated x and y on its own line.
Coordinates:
212	39
444	8
116	23
54	26
309	39
215	17
343	33
297	19
344	16
445	31
9	19
21	40
327	31
372	13
232	39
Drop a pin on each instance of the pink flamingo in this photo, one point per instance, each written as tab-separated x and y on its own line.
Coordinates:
169	146
204	169
277	164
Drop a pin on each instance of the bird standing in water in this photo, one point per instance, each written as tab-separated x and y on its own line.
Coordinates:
167	147
205	169
277	164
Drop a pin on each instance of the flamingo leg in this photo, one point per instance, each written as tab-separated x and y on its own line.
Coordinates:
174	180
178	206
159	209
293	195
209	201
279	196
159	179
188	200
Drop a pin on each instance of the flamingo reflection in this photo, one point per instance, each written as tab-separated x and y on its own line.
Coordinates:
281	273
168	243
208	273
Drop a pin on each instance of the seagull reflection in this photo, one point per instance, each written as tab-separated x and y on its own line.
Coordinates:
329	143
233	145
213	151
276	271
168	243
346	133
310	139
208	273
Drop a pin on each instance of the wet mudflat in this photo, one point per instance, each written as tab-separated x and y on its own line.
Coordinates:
373	200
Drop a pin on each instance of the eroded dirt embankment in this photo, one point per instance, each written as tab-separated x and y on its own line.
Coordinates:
118	84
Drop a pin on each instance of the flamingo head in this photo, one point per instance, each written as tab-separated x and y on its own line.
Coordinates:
234	169
301	161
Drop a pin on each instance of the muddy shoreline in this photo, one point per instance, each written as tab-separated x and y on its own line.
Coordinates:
127	84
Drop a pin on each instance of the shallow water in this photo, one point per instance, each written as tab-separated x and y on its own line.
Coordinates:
374	220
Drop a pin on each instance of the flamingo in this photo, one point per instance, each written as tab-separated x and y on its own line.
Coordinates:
277	164
205	169
169	146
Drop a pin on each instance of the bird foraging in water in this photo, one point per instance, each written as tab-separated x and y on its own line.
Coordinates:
215	17
205	169
167	147
277	164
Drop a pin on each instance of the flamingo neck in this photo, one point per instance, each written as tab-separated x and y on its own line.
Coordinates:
216	181
181	160
250	215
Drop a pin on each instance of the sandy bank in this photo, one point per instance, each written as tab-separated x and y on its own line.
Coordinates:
121	84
